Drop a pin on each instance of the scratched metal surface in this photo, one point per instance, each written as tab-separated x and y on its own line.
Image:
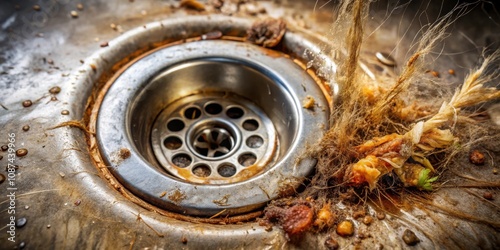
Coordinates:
43	49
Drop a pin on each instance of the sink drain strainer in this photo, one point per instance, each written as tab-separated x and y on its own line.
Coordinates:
211	126
213	138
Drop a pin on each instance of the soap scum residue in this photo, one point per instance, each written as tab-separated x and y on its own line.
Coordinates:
380	145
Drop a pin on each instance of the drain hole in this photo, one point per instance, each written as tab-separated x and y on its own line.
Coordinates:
175	125
247	159
172	142
202	170
226	170
192	113
182	160
214	142
251	125
235	113
213	108
255	141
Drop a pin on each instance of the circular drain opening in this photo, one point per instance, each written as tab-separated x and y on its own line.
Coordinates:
219	122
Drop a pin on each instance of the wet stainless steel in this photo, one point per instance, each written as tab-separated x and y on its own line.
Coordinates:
58	174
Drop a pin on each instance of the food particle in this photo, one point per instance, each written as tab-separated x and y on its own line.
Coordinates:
55	90
410	238
451	72
74	14
21	152
192	4
184	240
345	228
488	195
331	243
324	217
308	102
211	35
37	7
79	6
65	112
434	73
27	103
294	220
476	157
104	44
267	32
380	215
367	220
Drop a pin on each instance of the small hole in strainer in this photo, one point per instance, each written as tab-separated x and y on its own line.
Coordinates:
255	141
226	170
192	113
172	143
202	170
182	160
251	125
235	112
175	125
247	159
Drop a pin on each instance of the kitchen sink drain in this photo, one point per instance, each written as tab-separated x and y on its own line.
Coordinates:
211	126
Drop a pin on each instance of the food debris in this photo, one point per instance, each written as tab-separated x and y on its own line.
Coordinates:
324	217
37	7
476	157
295	217
77	202
184	240
163	194
192	4
451	72
79	6
367	220
410	238
488	195
434	73
308	102
21	152
74	14
104	44
124	153
380	215
65	112
55	90
211	35
345	228
177	196
27	103
267	32
331	243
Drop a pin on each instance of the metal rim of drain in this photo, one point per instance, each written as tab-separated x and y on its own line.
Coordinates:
133	102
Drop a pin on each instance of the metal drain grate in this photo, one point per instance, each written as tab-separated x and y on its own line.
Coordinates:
214	136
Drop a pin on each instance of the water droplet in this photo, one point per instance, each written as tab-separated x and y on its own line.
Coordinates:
21	222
